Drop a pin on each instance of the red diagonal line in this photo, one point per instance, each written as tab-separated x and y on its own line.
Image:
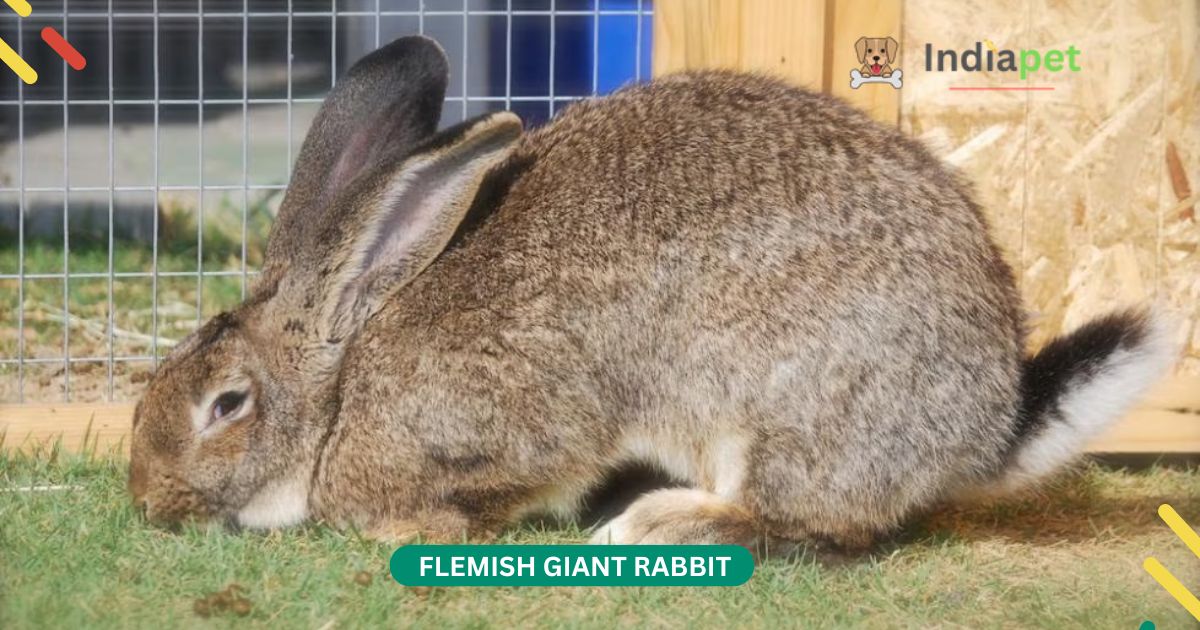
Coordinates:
1001	88
63	48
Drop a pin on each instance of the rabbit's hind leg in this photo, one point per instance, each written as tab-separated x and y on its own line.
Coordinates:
681	516
687	516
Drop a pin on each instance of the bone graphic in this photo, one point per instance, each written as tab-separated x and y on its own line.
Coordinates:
857	79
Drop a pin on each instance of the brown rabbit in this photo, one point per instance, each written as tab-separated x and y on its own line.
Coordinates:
455	329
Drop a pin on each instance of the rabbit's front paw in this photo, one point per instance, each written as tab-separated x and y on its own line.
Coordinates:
679	516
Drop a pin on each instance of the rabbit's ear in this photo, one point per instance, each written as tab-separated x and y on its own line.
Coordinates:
405	216
387	104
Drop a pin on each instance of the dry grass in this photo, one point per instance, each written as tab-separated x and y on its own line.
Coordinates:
146	315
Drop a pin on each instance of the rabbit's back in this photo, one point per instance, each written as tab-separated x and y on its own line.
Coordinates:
735	278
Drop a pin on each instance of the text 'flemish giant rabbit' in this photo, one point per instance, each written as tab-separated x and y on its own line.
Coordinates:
798	313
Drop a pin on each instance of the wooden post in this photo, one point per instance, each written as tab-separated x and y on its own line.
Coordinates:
785	38
849	20
693	34
807	42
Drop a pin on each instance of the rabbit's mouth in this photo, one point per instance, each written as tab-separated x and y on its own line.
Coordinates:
171	509
168	502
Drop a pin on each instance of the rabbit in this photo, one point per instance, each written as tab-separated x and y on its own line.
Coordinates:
797	313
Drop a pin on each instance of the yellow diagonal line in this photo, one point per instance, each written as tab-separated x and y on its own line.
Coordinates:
18	65
1180	527
1177	590
20	6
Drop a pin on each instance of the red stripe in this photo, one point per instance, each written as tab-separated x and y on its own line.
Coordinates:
63	48
982	89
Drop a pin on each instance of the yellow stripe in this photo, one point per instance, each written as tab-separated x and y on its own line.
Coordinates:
1177	590
1180	527
18	65
20	6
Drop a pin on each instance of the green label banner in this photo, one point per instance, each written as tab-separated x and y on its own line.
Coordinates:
572	565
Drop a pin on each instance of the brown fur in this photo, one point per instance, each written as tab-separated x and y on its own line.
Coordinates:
795	311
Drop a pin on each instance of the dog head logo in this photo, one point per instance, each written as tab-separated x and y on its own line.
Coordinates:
875	57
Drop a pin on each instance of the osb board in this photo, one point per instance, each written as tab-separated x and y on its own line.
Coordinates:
1178	271
982	133
1078	182
1095	146
785	38
1167	421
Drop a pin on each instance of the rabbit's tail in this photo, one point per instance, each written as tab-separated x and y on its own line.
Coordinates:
1078	385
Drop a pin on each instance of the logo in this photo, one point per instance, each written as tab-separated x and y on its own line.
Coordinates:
572	565
1025	61
1162	575
875	57
52	39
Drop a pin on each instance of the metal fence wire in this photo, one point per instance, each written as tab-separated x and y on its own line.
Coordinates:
136	193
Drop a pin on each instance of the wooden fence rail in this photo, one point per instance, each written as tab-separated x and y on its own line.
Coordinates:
1167	422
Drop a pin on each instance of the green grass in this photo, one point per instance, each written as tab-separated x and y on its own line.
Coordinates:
1069	556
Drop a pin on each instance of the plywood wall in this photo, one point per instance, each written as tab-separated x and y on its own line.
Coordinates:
1086	183
1091	187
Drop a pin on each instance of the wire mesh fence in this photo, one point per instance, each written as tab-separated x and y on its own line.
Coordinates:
136	194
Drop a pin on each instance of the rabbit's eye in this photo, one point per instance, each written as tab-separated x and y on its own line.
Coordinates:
227	404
